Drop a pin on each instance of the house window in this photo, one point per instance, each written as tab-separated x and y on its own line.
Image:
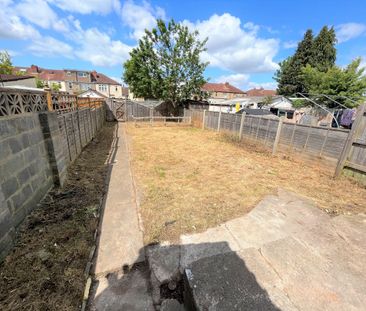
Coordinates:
69	73
70	85
84	86
116	89
82	74
102	87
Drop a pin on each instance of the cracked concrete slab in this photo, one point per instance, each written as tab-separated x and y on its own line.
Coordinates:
123	291
291	256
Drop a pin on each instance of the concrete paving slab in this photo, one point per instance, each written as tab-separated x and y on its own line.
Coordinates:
164	262
121	240
223	282
311	281
118	291
214	241
291	256
352	228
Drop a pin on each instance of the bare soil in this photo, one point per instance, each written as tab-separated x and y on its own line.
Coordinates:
45	270
189	180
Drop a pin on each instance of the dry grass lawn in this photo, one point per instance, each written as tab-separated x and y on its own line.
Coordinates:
189	180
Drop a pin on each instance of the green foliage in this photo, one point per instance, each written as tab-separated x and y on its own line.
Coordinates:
39	83
166	64
349	82
6	66
55	87
299	103
324	51
268	100
319	52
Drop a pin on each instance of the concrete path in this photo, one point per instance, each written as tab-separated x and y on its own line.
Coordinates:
285	254
121	241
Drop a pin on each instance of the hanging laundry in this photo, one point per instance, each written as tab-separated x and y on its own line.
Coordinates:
346	119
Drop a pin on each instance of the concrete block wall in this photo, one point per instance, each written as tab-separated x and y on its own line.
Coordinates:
25	172
35	151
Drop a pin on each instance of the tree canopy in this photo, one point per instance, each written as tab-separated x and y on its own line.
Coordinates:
342	84
318	52
6	66
166	64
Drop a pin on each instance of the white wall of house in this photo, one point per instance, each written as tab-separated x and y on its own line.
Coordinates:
115	90
102	88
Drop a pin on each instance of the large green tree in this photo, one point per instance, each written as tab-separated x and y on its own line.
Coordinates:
318	52
166	64
6	66
345	85
324	51
289	75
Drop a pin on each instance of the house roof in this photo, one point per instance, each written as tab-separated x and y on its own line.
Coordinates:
101	78
59	74
93	91
5	77
221	87
52	74
260	92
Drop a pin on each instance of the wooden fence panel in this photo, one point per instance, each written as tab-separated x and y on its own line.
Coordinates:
354	151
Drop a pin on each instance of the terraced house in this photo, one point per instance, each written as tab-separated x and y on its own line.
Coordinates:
75	81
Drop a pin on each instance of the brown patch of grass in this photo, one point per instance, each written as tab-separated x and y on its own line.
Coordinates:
45	270
190	180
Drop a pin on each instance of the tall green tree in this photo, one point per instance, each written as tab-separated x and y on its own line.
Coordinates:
288	76
318	52
6	66
342	84
166	64
324	51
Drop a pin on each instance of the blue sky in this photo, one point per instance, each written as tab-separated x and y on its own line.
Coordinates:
246	39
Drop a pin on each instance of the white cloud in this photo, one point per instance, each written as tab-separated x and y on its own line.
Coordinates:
87	6
12	53
140	17
11	26
99	49
242	81
37	12
48	46
119	80
234	47
265	85
239	80
363	64
290	44
349	31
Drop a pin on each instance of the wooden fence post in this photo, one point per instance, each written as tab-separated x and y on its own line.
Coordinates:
203	119
351	136
278	135
49	100
242	125
219	121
